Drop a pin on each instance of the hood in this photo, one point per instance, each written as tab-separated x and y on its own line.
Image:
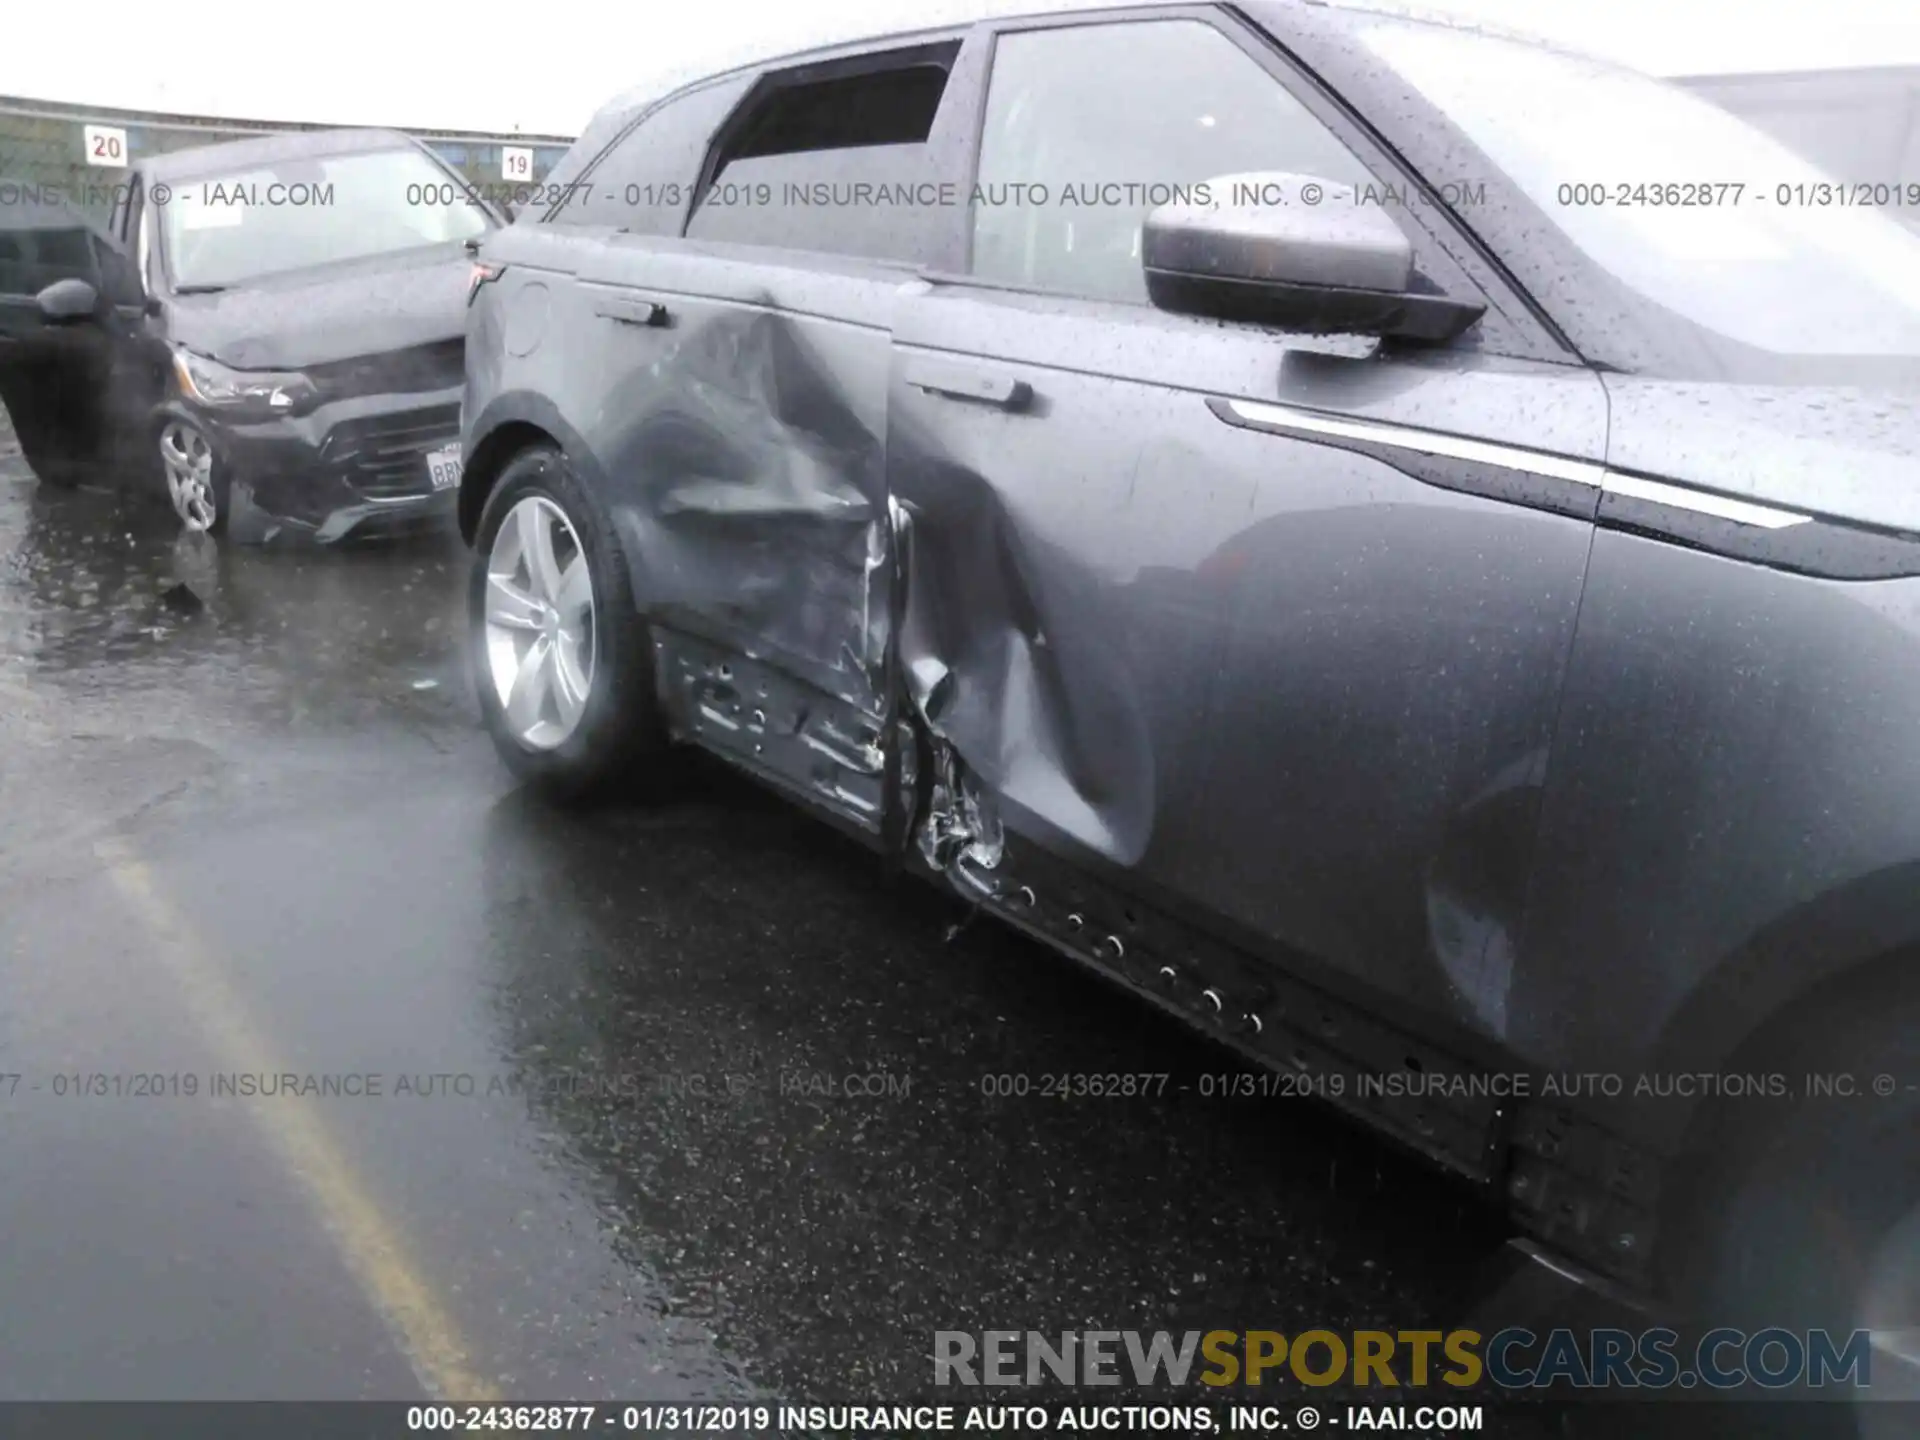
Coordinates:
1847	452
313	317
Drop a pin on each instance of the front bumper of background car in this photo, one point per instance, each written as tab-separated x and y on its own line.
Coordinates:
350	467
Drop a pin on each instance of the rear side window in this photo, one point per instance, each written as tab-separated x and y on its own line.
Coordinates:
645	182
834	162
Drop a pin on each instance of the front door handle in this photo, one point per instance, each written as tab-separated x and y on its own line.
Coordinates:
970	382
631	312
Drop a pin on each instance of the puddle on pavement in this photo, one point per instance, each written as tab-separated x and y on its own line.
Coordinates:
103	596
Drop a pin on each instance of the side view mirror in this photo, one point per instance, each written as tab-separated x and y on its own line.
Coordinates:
67	301
1294	252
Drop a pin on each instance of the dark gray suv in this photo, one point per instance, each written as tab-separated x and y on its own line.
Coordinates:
1400	545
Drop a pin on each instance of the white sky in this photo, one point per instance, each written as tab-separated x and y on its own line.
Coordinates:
546	67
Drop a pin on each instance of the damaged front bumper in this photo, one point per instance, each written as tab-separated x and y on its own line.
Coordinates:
354	467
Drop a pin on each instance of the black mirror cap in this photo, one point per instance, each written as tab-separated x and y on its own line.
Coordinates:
1314	309
66	301
1294	252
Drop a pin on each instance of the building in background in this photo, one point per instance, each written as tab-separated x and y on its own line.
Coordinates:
1861	126
45	145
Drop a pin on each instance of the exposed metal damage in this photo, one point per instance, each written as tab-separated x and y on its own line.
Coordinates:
961	832
1054	729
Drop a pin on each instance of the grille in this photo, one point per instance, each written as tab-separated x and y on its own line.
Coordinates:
398	372
385	458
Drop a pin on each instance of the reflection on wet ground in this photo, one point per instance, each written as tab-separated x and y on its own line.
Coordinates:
699	1103
101	591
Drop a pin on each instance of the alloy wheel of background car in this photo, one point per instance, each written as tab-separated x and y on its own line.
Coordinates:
188	460
539	623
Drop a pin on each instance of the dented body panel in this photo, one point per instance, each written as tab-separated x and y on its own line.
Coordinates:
1386	710
1304	692
743	438
734	412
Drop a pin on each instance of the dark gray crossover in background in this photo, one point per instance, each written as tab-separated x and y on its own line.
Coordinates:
1401	545
269	327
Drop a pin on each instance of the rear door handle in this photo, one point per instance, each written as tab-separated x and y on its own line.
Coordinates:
631	312
969	382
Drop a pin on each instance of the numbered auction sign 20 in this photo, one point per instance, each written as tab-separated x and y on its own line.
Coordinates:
106	145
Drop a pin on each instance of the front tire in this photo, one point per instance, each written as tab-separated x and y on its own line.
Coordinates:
198	486
1809	1215
563	662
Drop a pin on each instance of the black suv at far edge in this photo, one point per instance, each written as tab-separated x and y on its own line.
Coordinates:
268	328
1237	494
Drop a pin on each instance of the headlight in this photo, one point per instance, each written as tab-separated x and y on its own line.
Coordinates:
250	394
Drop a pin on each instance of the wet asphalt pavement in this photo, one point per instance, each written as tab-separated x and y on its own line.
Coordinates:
614	1152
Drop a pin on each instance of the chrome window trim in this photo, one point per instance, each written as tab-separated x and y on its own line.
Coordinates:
1720	507
1423	442
1518	457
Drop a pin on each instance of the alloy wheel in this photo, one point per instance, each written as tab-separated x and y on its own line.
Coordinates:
539	623
188	461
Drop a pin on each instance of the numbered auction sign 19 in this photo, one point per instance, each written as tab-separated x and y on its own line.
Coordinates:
106	145
516	163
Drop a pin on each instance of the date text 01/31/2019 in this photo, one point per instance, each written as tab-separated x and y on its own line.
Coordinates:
635	1419
698	1419
691	1419
1128	1085
1709	194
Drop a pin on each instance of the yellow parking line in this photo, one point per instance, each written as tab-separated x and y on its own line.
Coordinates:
369	1242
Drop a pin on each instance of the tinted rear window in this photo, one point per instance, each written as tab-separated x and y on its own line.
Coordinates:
836	162
645	183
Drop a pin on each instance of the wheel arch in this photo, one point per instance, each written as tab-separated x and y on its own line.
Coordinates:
1768	1010
510	424
1809	1033
1857	943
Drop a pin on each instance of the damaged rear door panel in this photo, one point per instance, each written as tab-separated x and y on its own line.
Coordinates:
743	445
744	438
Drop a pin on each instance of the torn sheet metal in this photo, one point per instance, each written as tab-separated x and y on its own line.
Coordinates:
962	827
1053	728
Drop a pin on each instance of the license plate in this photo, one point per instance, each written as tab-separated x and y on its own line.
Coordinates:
443	467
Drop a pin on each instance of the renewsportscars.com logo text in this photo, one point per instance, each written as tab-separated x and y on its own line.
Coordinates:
1513	1359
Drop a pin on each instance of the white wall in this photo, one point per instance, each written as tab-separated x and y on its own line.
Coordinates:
1861	126
545	68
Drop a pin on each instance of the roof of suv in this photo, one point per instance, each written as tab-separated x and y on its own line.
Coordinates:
235	155
753	55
